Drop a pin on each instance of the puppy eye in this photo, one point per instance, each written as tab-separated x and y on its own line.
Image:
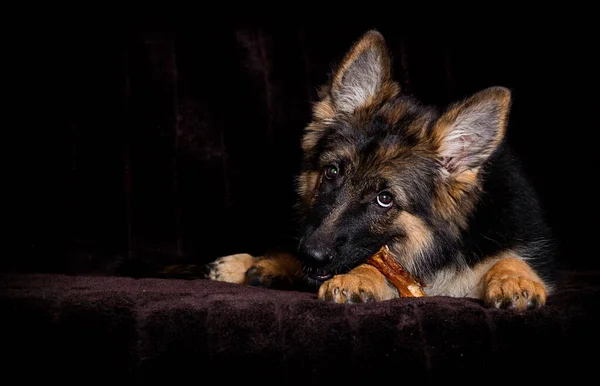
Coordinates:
331	172
385	199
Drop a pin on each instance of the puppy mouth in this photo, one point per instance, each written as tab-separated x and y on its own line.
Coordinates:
322	277
317	274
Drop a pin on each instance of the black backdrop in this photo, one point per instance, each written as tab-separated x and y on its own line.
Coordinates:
183	138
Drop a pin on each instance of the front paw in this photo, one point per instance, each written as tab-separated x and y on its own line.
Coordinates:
230	269
514	292
348	289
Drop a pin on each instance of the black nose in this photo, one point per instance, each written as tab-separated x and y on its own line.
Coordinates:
320	247
315	253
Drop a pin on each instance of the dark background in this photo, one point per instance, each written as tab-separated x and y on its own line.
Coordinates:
181	140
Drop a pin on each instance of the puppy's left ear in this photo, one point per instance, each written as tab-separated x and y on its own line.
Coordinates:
362	74
469	132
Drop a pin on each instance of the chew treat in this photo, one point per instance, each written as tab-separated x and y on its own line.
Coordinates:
384	262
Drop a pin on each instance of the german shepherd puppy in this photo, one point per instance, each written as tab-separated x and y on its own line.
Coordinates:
440	188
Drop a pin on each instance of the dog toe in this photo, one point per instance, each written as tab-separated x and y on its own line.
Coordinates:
514	292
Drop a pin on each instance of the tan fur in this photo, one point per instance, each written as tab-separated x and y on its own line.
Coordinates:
307	184
323	110
467	178
232	268
236	268
311	137
418	128
456	197
362	284
281	265
393	113
505	278
418	238
511	280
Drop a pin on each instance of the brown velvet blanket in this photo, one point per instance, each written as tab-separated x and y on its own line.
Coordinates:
151	331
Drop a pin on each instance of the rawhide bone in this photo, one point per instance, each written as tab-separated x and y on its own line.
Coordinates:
384	262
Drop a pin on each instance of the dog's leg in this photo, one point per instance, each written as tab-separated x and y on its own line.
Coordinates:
512	283
275	271
363	284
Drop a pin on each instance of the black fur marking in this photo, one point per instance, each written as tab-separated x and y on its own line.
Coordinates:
508	215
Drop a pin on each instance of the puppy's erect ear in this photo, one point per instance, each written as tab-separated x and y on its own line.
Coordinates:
469	132
362	73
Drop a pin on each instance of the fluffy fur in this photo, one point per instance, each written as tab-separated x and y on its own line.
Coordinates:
439	187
